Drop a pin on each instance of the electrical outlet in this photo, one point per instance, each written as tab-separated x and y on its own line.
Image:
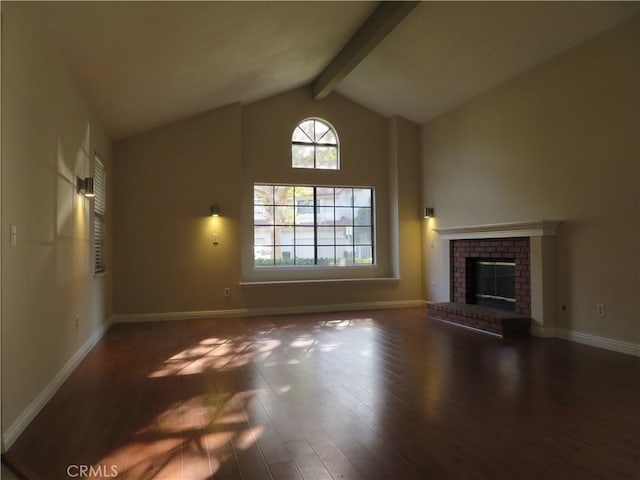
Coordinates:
600	310
227	292
77	322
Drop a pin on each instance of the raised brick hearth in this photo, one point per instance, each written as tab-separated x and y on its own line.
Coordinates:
488	319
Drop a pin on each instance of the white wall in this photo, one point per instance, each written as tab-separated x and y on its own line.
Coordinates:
48	138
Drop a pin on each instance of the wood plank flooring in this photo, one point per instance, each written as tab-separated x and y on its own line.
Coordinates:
359	395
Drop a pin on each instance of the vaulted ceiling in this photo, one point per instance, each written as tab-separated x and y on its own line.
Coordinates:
145	64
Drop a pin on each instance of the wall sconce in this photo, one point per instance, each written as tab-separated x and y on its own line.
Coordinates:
428	212
215	210
85	187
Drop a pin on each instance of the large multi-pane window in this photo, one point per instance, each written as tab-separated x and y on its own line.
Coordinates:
314	144
312	225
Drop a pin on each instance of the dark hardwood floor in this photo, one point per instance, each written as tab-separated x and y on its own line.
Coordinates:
359	395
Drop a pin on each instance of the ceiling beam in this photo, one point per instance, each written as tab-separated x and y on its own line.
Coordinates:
379	24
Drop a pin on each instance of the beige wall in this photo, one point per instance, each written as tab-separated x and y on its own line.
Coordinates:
165	261
48	138
166	181
559	142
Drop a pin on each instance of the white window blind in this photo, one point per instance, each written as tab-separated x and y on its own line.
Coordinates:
99	208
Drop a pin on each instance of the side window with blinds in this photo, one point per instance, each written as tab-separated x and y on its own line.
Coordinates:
99	208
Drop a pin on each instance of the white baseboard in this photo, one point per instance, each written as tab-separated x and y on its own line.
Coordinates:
601	342
10	435
161	316
251	312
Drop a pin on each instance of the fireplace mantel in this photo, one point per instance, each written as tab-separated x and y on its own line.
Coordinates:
539	228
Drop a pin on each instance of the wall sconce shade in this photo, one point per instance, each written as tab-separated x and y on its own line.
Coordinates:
215	210
428	212
85	187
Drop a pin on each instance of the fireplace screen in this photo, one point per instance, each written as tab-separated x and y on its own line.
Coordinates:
492	283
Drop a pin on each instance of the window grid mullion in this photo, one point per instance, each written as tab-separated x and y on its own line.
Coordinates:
315	199
295	243
315	148
335	231
315	226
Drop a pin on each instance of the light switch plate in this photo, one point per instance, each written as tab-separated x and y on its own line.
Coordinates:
14	235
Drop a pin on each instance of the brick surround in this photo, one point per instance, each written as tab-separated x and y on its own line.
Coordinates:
517	249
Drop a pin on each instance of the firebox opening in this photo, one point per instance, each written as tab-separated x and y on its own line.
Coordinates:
491	283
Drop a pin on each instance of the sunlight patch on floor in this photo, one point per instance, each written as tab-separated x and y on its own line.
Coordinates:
190	439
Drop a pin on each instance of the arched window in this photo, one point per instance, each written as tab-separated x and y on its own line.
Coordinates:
314	144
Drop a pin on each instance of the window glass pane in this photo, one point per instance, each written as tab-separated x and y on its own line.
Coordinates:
303	193
262	215
326	255
263	194
344	235
344	216
302	156
283	195
304	205
362	235
307	127
263	256
363	254
362	197
305	255
324	196
326	235
321	129
304	236
262	236
344	255
325	215
284	236
344	197
284	215
362	216
304	215
327	158
284	255
300	136
329	137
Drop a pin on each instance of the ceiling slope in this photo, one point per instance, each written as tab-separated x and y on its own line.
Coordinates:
146	64
445	53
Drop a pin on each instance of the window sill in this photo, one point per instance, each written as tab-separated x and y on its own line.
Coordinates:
320	281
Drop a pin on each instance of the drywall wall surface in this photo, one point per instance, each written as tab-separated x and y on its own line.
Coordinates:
167	178
559	142
53	307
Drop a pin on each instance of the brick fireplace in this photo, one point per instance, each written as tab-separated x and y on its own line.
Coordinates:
528	247
514	249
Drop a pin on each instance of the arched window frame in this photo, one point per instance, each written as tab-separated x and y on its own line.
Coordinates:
312	142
